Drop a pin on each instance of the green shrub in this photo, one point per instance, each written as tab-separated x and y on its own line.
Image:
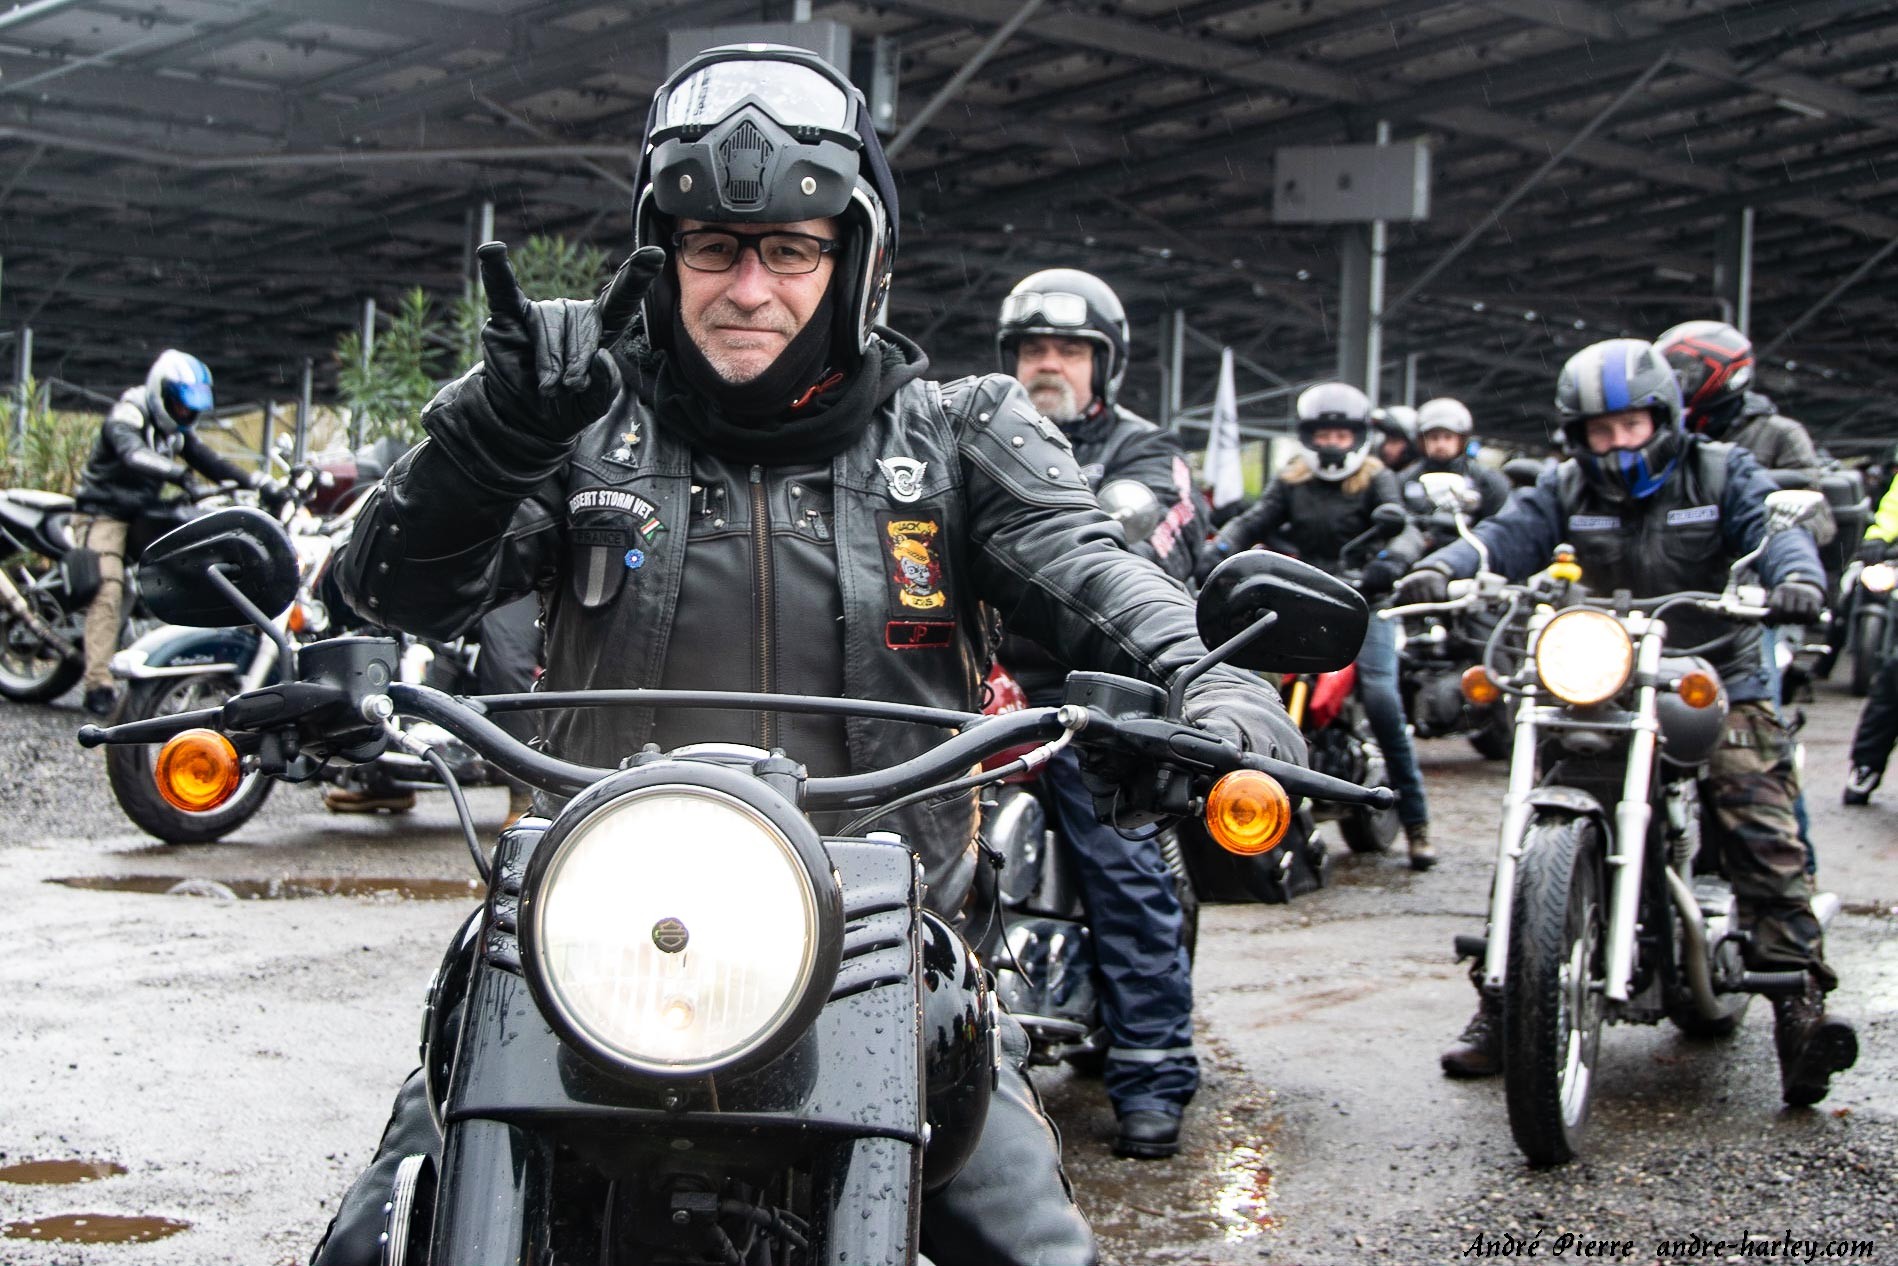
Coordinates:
55	446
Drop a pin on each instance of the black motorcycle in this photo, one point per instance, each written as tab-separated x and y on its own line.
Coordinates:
46	584
684	1027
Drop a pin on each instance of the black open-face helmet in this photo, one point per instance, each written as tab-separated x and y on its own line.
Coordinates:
765	134
1067	303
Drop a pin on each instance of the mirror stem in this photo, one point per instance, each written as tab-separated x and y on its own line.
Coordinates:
1176	693
257	617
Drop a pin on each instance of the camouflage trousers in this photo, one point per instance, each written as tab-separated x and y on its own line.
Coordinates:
1747	799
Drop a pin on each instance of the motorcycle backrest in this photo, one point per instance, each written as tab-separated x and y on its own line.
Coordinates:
1321	619
245	546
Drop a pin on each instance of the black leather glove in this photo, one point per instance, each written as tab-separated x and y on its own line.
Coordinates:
1378	576
1425	584
546	364
1794	602
272	494
1209	556
1870	551
1243	709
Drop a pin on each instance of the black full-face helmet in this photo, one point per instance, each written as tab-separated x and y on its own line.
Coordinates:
1068	303
1332	405
1714	363
765	134
1609	377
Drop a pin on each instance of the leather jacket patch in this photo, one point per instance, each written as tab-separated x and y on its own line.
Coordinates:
608	531
921	613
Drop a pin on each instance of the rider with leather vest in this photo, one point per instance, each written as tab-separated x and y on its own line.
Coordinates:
758	486
1653	510
1063	334
146	444
1317	505
1444	429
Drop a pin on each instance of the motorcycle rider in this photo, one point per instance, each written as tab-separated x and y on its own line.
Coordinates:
1444	429
1397	435
1063	334
147	441
1653	509
753	399
1714	362
1316	505
1878	721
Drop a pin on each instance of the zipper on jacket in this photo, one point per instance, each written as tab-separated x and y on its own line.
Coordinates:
764	601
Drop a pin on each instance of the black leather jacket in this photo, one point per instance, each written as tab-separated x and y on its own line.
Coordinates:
133	460
1316	518
1119	444
957	495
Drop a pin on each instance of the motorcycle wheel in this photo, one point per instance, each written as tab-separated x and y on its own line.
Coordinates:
1868	639
1552	1000
30	670
1371	830
129	768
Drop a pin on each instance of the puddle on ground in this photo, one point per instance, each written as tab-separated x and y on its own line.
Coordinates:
280	889
59	1172
94	1228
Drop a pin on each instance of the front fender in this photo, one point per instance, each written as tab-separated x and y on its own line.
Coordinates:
173	650
1571	801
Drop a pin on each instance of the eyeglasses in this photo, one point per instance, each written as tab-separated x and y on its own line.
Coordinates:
1056	309
787	254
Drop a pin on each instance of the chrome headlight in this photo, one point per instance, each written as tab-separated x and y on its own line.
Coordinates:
1879	578
676	928
1584	657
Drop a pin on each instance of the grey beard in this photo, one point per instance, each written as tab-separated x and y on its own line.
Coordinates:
1067	408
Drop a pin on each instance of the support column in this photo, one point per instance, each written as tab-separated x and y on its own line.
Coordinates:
22	372
368	357
1176	367
1356	361
1411	361
1733	270
270	436
301	449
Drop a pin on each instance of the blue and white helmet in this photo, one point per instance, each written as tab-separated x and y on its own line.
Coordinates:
177	390
1620	374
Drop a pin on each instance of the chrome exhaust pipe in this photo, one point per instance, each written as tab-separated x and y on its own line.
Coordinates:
1695	965
15	602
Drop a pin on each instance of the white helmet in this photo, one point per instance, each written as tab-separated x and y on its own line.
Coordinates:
177	390
1330	406
1445	414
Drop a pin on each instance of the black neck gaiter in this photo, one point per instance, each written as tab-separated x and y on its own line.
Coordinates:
797	411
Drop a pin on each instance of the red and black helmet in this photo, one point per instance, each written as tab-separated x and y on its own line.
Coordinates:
1714	363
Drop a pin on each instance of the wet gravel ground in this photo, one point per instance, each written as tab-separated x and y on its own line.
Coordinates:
236	1057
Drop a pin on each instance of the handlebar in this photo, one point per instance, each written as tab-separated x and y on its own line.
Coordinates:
1151	739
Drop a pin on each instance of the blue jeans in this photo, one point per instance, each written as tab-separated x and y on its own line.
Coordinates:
1384	706
1145	980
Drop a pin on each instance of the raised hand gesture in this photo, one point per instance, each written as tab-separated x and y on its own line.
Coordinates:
546	361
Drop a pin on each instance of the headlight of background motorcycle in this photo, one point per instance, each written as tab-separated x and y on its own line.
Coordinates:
1879	578
1584	657
676	930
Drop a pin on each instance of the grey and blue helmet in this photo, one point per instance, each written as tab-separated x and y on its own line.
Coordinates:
1610	377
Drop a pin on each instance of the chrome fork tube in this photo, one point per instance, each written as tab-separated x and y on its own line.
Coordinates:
1516	811
1632	814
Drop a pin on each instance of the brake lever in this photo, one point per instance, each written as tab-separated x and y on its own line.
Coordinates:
1177	744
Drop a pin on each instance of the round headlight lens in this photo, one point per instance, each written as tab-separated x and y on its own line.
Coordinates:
1879	578
675	930
1584	657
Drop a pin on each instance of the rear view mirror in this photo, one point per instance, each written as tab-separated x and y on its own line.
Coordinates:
1389	519
1449	491
1321	619
1134	505
243	545
1792	506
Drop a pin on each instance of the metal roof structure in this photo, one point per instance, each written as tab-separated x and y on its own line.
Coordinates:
236	176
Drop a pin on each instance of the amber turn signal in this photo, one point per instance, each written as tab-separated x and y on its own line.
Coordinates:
1698	690
1248	813
1479	687
197	771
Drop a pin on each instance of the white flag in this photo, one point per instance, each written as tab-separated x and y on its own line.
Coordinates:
1222	473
